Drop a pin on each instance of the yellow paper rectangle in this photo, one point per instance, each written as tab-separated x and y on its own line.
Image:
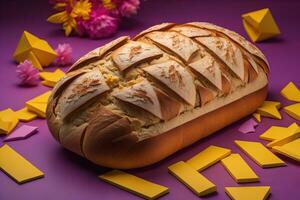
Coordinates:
136	185
192	178
16	166
208	157
259	154
239	169
291	149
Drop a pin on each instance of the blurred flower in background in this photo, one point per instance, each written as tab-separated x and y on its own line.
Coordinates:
92	18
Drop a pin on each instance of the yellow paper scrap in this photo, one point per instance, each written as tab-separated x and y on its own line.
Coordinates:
277	132
260	25
51	78
293	133
291	92
259	154
8	121
270	109
293	110
25	115
136	185
16	166
237	167
291	149
38	104
38	51
190	177
208	157
248	193
257	117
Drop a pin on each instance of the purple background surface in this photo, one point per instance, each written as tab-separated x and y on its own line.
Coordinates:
68	176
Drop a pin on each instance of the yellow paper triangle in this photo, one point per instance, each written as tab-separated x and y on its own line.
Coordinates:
291	92
293	110
248	193
52	76
25	115
257	117
8	121
38	104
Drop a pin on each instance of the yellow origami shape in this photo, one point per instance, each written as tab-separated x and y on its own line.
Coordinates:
38	104
270	109
257	117
25	115
291	92
32	48
51	78
248	193
290	149
8	121
260	25
293	110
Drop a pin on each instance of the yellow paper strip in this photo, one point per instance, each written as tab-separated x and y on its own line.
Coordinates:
277	132
16	166
239	169
136	185
208	157
294	133
195	181
248	193
291	149
259	154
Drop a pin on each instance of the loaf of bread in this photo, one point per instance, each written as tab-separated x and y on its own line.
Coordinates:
133	102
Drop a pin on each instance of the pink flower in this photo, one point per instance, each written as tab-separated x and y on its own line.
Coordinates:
100	24
64	52
27	73
129	7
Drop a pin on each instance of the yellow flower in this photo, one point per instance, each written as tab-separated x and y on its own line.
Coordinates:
81	8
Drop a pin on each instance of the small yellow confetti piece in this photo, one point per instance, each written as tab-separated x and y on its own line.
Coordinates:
208	157
16	166
195	181
293	133
136	185
38	104
48	83
248	193
257	117
239	169
270	109
293	110
291	149
259	154
8	121
291	92
25	115
277	132
52	77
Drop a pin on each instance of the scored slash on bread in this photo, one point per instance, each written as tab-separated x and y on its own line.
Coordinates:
167	76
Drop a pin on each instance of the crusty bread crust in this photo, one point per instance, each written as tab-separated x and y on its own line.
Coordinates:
132	103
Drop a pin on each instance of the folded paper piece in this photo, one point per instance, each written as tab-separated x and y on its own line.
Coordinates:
293	133
239	169
291	92
51	78
260	25
257	117
16	166
270	109
248	126
23	132
259	154
190	177
32	48
293	110
277	132
8	121
25	115
208	157
136	185
38	104
291	149
248	193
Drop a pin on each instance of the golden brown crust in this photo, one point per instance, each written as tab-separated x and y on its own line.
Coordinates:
131	103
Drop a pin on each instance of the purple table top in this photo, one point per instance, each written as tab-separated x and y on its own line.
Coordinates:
68	176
